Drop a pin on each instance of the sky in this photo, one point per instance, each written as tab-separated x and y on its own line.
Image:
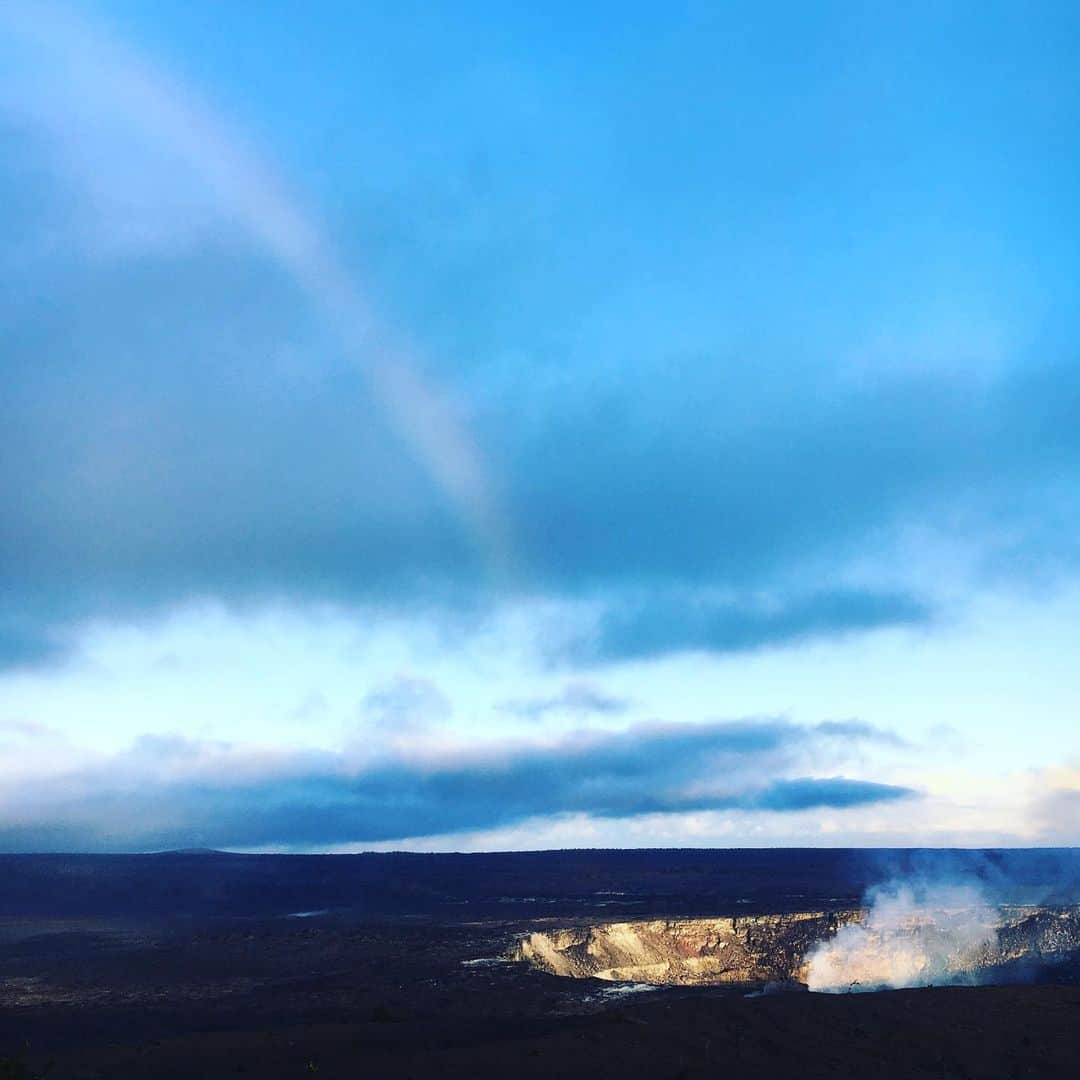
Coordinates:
496	426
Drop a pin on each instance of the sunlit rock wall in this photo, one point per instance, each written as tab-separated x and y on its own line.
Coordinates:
829	950
757	948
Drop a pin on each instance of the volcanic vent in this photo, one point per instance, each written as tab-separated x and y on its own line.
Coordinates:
839	950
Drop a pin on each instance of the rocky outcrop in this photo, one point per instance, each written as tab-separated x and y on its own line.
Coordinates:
752	949
1033	933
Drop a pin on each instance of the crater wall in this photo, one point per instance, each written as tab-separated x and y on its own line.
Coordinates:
756	948
760	949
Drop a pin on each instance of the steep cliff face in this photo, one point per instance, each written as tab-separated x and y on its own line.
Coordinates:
775	948
1031	932
757	948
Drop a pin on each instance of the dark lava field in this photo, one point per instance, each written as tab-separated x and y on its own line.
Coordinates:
198	964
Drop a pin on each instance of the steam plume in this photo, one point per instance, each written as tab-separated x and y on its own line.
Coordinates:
912	935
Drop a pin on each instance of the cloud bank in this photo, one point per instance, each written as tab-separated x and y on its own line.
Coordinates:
167	793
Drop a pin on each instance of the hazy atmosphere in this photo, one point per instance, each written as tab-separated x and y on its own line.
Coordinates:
485	426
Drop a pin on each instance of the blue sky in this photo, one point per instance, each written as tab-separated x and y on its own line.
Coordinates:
475	426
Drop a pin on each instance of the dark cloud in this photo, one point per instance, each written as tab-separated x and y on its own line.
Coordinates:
29	646
836	792
163	458
666	623
576	698
406	704
226	800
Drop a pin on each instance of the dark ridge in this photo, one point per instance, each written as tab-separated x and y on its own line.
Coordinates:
191	851
511	885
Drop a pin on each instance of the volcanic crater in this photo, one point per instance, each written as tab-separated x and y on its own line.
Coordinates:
828	951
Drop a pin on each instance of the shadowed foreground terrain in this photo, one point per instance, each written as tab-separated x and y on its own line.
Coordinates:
352	992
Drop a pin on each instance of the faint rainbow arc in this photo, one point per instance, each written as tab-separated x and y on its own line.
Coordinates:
166	112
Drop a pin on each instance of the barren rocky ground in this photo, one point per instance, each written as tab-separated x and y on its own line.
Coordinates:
352	993
292	997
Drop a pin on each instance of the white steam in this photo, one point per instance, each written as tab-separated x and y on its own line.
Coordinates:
912	935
